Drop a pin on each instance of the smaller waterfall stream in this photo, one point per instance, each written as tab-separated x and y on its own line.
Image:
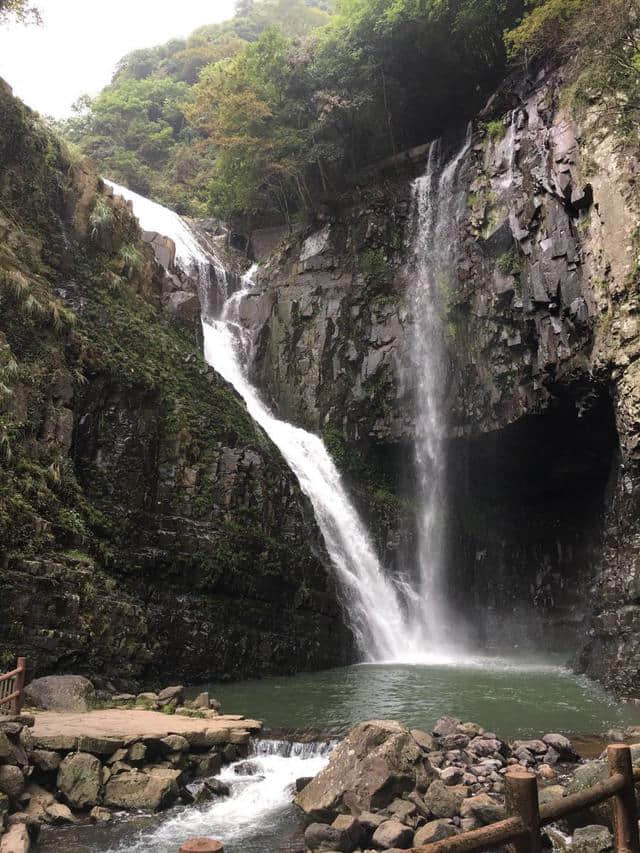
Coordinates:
437	205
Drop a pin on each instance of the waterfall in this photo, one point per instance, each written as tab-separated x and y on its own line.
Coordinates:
375	610
438	203
378	610
256	816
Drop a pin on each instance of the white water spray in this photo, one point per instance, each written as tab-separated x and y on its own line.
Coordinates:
387	618
437	207
261	790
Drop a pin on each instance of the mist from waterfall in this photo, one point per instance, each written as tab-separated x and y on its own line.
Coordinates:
438	201
387	616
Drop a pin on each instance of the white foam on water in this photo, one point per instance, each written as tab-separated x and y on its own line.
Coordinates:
256	803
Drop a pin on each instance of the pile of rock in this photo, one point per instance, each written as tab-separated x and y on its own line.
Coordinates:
389	788
62	778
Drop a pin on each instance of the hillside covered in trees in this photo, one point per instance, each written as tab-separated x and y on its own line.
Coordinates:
266	114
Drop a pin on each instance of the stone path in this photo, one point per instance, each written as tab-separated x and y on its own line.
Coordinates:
58	730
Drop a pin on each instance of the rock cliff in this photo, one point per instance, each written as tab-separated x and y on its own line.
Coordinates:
539	313
148	528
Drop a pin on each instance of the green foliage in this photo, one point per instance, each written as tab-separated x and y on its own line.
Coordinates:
496	130
543	30
374	265
335	444
509	263
257	117
132	259
21	10
101	217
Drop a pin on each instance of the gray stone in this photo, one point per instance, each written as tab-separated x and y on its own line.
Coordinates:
392	834
148	699
220	789
6	749
537	747
404	811
45	759
351	832
39	799
483	808
201	701
550	793
483	746
136	753
123	698
175	743
592	839
169	695
445	801
376	762
80	780
453	741
99	745
58	813
61	743
321	836
98	814
11	781
446	726
424	740
71	693
561	745
434	831
452	775
208	764
137	790
369	822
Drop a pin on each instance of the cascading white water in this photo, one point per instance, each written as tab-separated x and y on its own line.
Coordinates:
376	607
437	207
392	621
156	218
255	816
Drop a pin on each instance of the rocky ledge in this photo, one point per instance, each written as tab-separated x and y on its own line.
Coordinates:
63	766
390	788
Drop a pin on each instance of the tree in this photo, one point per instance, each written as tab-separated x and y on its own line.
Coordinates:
244	8
21	10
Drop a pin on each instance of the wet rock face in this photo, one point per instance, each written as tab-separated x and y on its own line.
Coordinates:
539	321
148	529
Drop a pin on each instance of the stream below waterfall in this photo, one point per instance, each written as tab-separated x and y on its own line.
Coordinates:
510	698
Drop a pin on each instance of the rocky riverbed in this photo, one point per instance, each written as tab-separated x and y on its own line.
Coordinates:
390	788
62	767
384	786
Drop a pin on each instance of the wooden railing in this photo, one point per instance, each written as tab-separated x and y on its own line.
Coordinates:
521	827
12	689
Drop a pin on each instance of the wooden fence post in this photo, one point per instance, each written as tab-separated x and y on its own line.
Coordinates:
625	820
19	686
202	845
521	800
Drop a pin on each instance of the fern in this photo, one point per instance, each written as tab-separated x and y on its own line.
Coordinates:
132	259
101	217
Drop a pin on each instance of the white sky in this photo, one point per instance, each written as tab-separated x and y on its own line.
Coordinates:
76	49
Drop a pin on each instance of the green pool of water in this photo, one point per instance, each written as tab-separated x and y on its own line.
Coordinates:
510	699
